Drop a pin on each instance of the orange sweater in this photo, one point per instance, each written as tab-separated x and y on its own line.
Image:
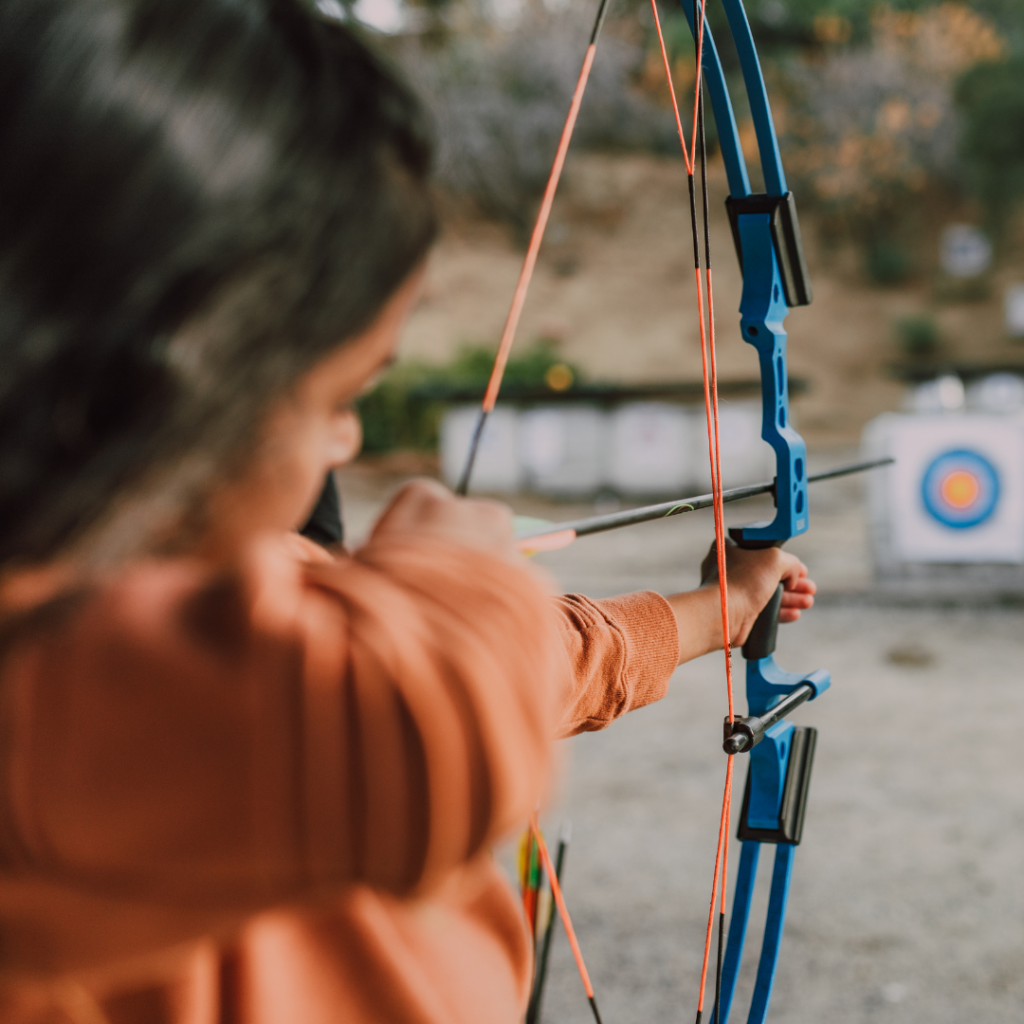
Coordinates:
266	794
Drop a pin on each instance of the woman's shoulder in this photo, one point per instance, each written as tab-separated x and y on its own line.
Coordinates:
279	585
188	598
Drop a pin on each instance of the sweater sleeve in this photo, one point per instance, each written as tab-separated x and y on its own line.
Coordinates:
264	733
622	652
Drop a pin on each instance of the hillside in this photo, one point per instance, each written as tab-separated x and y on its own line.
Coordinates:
614	286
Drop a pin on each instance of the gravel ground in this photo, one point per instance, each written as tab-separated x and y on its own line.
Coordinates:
907	901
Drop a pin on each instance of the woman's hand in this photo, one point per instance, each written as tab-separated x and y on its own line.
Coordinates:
753	575
424	508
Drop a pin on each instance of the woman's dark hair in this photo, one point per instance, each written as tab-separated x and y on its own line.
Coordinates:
198	199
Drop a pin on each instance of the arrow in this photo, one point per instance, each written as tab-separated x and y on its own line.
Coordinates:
536	535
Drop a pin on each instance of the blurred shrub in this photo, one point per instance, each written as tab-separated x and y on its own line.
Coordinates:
500	102
991	97
528	368
393	419
918	336
404	410
887	261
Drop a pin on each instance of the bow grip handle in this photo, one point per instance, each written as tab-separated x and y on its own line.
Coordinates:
761	639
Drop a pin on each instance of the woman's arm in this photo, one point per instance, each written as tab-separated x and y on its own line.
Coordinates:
622	651
274	729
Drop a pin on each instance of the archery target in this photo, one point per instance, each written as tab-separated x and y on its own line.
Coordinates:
956	493
960	489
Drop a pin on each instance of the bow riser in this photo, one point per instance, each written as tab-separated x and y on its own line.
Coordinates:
763	311
770	252
769	249
768	764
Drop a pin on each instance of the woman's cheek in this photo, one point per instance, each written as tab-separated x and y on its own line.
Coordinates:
345	438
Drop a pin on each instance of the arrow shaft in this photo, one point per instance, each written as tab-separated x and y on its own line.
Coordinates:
666	509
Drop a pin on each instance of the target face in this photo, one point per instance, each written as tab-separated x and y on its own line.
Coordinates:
960	489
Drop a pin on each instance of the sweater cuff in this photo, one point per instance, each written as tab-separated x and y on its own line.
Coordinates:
648	626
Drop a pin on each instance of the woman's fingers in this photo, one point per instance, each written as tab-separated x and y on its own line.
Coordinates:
796	603
425	508
754	575
800	587
797	597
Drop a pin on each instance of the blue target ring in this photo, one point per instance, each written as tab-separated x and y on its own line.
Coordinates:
960	489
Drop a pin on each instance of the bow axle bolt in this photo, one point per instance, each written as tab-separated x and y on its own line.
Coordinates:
743	734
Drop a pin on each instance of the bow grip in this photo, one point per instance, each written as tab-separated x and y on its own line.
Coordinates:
761	639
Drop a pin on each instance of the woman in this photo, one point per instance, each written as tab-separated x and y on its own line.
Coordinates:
245	779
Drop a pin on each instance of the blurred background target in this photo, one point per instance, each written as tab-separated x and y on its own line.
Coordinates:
956	493
960	489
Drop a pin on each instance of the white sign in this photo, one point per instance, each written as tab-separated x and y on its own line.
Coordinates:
966	252
650	448
998	392
746	458
1014	308
563	449
497	468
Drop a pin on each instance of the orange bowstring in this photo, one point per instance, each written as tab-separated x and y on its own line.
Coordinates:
721	863
709	365
671	89
696	91
530	261
710	371
508	334
710	368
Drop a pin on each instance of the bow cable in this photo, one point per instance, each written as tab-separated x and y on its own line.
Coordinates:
491	396
709	366
671	88
508	334
719	545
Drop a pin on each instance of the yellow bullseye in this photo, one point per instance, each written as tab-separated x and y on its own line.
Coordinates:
960	489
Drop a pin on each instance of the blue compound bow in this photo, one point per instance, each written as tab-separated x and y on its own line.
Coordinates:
768	244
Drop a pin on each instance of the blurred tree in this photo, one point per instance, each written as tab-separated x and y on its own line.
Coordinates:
404	410
866	97
500	102
887	261
785	23
871	129
991	97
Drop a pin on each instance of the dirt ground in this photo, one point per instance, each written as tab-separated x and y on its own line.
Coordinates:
907	900
615	286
